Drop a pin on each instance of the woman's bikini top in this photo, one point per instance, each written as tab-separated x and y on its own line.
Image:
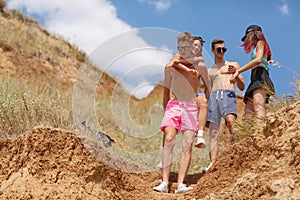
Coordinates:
264	60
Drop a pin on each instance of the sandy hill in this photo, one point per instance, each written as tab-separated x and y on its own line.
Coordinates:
54	163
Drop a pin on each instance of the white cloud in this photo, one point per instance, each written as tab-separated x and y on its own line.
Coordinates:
284	9
131	55
84	23
142	69
160	5
135	62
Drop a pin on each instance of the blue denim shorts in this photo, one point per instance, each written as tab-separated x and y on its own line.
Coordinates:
221	103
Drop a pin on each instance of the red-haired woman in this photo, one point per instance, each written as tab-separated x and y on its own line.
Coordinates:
261	86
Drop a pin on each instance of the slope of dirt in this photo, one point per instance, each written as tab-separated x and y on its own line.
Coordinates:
263	166
54	164
28	52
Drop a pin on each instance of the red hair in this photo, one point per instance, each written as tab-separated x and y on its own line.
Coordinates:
251	40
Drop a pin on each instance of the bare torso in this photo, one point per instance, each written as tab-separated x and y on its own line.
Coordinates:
219	76
184	84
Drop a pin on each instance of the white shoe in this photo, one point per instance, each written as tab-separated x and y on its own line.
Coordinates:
200	143
205	169
182	188
162	187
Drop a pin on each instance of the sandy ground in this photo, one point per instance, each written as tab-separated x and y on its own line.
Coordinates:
54	164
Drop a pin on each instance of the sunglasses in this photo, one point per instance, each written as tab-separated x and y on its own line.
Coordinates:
219	49
185	48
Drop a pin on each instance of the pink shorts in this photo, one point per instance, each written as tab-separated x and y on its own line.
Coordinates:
180	115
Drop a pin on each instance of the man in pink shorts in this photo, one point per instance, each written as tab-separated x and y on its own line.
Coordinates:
181	114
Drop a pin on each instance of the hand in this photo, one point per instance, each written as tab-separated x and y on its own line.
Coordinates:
172	63
193	72
176	62
234	76
231	69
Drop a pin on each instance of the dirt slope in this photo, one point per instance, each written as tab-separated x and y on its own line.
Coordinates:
54	164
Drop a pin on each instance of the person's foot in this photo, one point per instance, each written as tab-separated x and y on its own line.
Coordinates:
162	187
182	188
205	169
200	142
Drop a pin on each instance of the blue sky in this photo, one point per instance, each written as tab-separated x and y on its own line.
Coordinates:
90	24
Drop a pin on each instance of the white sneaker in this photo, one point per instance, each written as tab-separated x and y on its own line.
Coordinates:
182	188
200	143
205	169
162	187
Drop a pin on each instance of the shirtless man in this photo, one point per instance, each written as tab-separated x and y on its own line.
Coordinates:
222	102
203	91
181	115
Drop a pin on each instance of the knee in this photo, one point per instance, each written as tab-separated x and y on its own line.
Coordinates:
169	140
214	134
230	124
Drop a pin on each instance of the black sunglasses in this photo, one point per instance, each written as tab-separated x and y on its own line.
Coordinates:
219	49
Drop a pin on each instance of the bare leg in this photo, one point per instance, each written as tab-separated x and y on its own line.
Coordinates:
230	124
203	105
248	110
259	98
213	144
169	143
185	160
203	110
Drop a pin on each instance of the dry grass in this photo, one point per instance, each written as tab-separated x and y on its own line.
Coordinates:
22	32
245	127
25	106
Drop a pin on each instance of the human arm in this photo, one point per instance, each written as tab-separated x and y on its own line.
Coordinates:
253	63
167	85
185	68
239	80
180	63
193	60
201	67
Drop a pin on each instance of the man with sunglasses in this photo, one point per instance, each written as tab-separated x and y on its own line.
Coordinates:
181	114
222	101
203	91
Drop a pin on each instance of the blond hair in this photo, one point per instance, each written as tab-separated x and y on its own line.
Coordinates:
185	36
